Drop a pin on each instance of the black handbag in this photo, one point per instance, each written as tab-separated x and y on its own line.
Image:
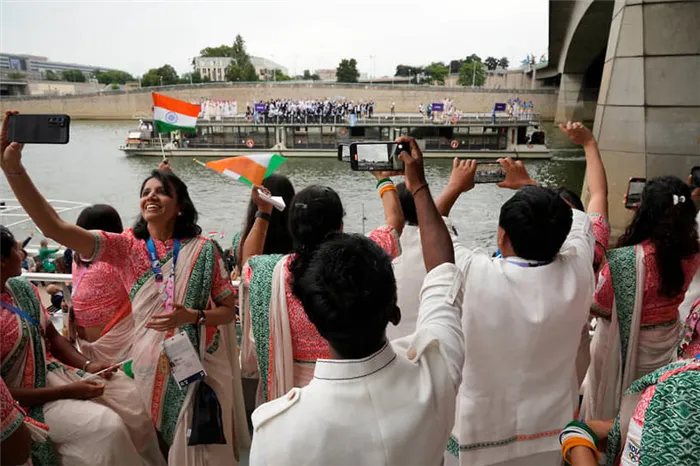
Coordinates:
207	426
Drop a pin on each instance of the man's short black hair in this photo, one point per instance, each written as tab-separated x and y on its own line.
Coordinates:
537	222
348	290
407	204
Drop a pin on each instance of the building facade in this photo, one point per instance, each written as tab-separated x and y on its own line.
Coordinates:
213	68
36	67
266	68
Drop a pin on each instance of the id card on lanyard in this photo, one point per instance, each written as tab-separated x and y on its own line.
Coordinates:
166	289
185	365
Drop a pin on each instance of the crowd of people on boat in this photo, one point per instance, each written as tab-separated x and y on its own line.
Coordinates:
404	346
217	108
518	109
298	111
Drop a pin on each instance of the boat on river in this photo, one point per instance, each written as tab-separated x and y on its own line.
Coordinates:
480	136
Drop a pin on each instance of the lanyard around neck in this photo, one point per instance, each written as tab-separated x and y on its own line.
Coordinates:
20	313
155	262
167	288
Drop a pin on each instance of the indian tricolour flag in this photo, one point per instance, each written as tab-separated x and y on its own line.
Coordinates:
172	114
250	169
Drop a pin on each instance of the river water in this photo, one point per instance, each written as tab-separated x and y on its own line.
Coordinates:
91	169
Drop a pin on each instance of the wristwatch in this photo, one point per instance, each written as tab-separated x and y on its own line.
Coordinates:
263	215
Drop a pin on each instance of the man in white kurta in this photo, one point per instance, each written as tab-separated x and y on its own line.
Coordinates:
522	322
395	406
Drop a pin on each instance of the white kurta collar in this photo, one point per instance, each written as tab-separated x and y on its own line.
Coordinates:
348	369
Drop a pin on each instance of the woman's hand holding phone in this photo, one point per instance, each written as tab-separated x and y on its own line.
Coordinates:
10	153
516	174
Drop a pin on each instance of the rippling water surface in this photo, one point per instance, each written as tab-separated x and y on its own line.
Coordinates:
91	169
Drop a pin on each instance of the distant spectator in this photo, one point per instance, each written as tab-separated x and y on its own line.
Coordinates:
46	257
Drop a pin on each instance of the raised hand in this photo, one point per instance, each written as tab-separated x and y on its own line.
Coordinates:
165	165
413	162
516	174
10	153
578	133
462	177
263	205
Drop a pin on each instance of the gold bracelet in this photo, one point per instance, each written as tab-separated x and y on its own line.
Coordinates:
87	363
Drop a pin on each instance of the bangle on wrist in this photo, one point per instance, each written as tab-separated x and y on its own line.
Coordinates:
19	173
201	317
86	364
384	180
419	188
263	215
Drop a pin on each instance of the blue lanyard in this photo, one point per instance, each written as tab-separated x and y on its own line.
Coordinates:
20	313
155	263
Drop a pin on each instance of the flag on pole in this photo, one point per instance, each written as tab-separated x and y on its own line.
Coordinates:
250	169
172	114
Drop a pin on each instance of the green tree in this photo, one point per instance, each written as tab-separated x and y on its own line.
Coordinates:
51	76
220	51
165	76
115	87
504	63
491	63
280	76
472	58
436	72
15	75
113	76
405	71
347	71
74	76
241	68
195	78
315	77
473	71
307	75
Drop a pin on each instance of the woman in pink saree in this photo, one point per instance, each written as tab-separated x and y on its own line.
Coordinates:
100	322
177	283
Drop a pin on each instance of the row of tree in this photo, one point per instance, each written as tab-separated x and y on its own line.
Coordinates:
471	70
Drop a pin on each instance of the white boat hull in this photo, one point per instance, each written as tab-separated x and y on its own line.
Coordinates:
536	151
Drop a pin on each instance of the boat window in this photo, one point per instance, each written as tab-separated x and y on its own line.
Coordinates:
328	137
313	139
357	132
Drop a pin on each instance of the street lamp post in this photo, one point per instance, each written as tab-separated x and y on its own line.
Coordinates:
371	69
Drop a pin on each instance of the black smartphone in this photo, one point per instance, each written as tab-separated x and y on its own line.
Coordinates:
38	129
634	192
489	173
377	156
695	177
344	152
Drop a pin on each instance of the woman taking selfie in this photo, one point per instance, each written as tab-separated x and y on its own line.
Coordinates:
638	294
178	284
100	321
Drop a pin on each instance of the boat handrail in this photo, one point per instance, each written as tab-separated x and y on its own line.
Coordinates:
12	208
380	120
66	277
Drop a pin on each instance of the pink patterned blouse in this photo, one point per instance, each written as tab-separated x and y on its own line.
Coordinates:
307	343
98	294
12	415
657	308
129	256
601	233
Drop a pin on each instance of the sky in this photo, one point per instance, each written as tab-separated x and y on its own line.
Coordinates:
303	34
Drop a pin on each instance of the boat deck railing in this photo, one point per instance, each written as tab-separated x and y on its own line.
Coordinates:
377	120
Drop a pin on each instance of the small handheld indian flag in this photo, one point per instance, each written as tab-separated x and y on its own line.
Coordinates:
172	114
250	169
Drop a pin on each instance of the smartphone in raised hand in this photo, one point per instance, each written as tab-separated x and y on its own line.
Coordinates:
38	129
635	187
489	173
695	177
377	156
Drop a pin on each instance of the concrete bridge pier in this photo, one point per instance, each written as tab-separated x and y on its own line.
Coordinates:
648	115
570	104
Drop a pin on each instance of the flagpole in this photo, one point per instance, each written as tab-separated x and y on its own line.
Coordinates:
160	138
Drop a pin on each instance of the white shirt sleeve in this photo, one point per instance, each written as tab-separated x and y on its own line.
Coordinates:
440	313
581	236
257	455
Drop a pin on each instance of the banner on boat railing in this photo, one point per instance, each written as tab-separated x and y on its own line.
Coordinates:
260	108
499	107
438	107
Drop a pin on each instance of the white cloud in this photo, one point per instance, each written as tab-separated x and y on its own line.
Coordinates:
304	34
